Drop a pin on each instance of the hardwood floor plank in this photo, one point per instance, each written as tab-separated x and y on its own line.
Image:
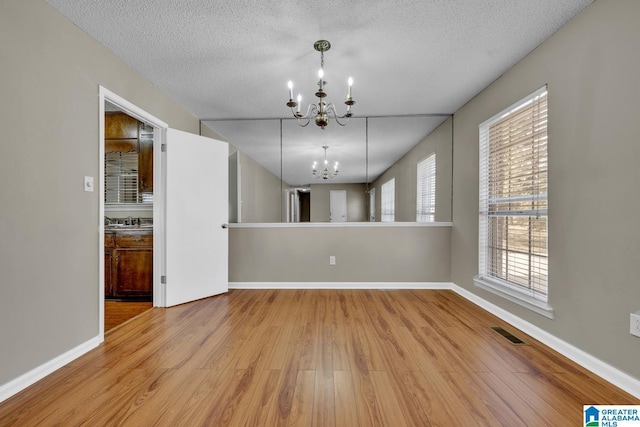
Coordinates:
117	313
129	402
464	386
173	396
448	408
302	406
344	396
324	399
365	402
101	403
540	416
314	357
259	408
202	402
390	410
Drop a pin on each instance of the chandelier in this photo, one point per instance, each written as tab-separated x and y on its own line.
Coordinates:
325	173
322	111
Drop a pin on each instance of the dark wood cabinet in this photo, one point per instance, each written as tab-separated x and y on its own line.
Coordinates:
128	264
145	165
108	269
118	125
134	272
120	145
124	134
109	246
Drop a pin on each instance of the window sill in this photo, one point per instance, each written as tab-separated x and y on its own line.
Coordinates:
515	296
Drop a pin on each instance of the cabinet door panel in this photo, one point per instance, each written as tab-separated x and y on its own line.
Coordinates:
108	288
134	240
118	125
145	165
120	145
134	272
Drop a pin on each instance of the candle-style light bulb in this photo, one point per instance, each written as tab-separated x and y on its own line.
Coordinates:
299	102
321	73
290	84
350	83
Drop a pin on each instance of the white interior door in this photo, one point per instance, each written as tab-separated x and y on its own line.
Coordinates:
196	207
338	205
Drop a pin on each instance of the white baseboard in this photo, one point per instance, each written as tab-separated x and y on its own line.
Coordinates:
340	285
17	385
615	376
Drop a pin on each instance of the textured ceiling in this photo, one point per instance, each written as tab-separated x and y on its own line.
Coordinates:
232	59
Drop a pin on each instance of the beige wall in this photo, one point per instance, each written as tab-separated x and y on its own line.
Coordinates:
261	200
356	201
260	189
404	172
205	130
363	254
592	69
50	139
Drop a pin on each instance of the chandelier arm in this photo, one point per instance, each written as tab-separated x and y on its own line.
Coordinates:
304	120
331	108
311	110
302	123
305	116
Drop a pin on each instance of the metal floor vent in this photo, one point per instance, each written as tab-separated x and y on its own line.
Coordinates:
508	335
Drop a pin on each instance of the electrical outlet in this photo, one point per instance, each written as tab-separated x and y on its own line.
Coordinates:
635	324
332	260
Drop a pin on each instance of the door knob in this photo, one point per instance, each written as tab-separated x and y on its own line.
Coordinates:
225	225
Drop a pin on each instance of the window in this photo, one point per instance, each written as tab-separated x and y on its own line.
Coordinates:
426	185
372	205
388	201
513	255
121	178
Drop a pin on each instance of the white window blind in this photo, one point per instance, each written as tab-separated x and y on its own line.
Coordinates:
513	197
426	189
372	205
121	178
388	201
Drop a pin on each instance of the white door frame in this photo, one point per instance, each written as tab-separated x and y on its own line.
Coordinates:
159	264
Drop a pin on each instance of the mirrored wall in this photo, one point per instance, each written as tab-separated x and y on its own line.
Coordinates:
278	171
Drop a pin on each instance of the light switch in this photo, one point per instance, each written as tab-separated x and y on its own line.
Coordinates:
88	183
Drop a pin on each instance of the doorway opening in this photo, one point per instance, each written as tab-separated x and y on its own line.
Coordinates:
131	251
190	248
128	219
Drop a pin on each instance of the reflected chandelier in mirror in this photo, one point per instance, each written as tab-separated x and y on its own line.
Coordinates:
325	173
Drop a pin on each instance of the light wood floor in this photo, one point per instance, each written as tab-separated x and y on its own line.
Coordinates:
118	312
314	357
